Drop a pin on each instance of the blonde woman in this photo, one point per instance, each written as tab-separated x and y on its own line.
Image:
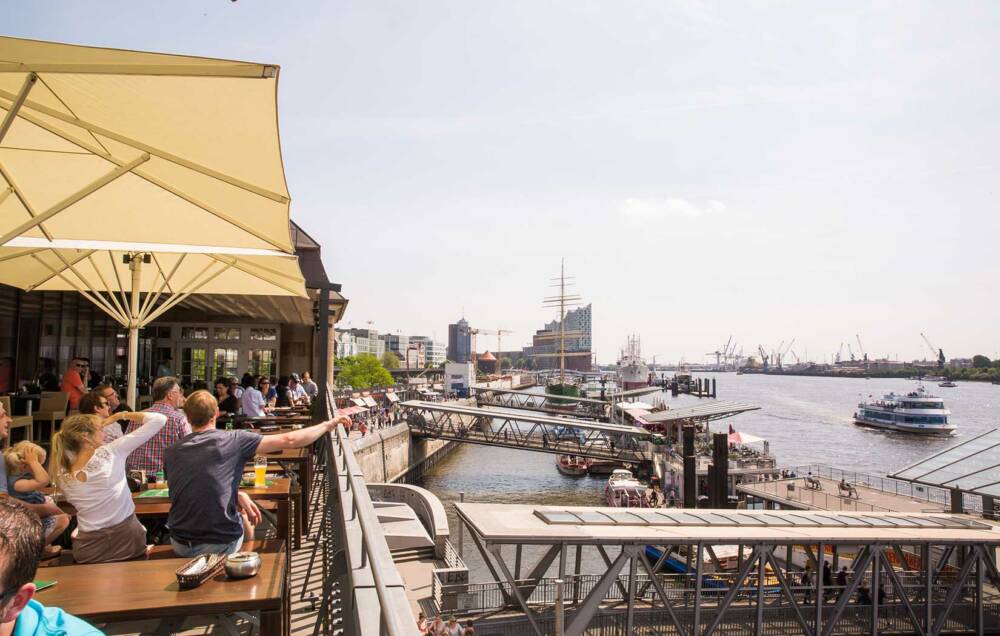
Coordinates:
91	474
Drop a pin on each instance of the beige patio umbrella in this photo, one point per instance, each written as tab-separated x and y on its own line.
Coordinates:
139	179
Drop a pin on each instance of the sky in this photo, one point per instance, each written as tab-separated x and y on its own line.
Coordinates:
766	170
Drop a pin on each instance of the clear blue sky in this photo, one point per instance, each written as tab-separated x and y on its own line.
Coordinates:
769	170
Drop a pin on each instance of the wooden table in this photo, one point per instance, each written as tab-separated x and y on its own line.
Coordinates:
301	460
147	589
252	422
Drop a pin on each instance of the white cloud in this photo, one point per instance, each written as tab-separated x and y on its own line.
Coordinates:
657	208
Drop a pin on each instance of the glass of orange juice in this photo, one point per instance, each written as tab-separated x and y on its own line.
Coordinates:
260	472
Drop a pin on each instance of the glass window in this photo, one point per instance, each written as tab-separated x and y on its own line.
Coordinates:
194	364
226	361
262	362
194	333
229	334
264	335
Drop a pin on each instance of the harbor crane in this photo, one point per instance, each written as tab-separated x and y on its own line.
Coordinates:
851	351
721	356
861	349
840	353
764	358
935	351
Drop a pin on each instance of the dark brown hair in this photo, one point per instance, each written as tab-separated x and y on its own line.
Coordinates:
20	544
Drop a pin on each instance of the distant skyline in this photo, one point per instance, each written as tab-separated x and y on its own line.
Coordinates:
810	170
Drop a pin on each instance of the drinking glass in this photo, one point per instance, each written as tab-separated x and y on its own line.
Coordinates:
260	472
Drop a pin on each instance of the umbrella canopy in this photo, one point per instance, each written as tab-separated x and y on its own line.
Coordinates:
139	179
737	437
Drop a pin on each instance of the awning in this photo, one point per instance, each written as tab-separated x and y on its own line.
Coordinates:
369	401
703	411
359	401
140	179
392	397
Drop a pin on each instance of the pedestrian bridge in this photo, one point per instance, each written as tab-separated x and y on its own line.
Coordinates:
528	431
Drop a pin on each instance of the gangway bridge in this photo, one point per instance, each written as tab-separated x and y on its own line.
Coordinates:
595	408
528	431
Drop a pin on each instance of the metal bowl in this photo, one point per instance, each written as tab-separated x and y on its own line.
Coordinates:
242	565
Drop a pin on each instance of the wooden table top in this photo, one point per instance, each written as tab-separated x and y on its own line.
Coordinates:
280	489
147	588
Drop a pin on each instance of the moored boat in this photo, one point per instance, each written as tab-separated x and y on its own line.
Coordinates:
625	491
572	465
914	412
948	384
633	372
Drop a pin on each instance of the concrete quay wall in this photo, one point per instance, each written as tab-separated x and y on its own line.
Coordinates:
392	455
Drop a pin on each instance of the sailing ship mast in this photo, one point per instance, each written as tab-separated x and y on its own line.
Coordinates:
562	320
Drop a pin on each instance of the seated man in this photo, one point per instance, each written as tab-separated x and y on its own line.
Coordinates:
21	615
167	398
208	513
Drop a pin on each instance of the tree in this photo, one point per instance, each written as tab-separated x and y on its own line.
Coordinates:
390	360
980	362
362	372
505	363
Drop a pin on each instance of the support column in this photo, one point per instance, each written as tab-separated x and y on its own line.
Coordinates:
323	367
690	469
135	266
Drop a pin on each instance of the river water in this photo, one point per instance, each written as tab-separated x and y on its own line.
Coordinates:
808	420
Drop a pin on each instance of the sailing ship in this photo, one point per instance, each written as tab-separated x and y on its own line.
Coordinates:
563	387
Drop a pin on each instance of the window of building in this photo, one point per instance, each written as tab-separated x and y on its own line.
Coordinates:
264	335
226	362
228	334
262	362
194	333
194	364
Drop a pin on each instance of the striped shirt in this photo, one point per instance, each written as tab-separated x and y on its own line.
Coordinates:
149	456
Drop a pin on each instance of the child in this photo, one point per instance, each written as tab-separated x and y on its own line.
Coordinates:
25	478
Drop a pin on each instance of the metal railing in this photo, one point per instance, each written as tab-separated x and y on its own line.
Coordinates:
357	560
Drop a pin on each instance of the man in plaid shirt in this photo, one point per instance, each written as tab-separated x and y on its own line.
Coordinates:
167	399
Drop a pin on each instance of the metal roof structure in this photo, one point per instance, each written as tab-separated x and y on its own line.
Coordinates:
971	466
705	412
526	523
565	422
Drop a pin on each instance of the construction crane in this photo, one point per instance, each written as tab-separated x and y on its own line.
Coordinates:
499	333
720	356
861	349
935	351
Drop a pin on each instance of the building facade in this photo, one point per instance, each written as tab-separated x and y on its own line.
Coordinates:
432	352
459	342
545	342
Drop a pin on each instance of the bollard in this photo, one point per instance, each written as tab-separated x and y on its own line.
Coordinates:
559	608
461	531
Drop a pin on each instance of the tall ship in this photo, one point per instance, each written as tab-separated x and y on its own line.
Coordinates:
914	412
632	369
563	387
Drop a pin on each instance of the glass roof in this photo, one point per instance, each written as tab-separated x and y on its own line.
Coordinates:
786	518
972	466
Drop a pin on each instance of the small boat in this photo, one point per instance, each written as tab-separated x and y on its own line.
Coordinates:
572	465
915	412
625	491
947	384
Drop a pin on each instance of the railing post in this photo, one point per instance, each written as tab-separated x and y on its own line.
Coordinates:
559	608
461	530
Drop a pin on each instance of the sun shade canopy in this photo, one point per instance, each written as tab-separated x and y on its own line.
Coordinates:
140	179
705	411
971	466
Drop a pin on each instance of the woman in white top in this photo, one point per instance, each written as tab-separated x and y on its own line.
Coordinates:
92	476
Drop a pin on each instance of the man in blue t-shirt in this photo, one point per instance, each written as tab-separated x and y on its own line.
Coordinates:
208	513
20	615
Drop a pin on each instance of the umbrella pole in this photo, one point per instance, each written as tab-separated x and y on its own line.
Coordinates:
135	265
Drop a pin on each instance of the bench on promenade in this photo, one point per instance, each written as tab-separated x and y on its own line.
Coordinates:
848	490
813	483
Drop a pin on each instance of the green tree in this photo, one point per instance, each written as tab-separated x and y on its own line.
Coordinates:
980	362
390	360
505	363
362	372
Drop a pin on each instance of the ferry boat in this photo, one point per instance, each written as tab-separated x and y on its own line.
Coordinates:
948	384
913	412
632	370
572	465
625	491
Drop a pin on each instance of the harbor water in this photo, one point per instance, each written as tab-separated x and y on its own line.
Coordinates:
807	420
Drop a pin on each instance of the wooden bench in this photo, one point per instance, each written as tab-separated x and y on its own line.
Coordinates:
848	490
813	483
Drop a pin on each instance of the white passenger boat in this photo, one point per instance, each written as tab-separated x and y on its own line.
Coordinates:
625	491
914	412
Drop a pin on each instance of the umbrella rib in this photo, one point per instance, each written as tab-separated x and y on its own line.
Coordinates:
155	181
104	282
95	298
55	273
22	198
151	300
71	112
5	193
153	150
178	297
72	267
121	286
74	198
235	262
22	95
29	252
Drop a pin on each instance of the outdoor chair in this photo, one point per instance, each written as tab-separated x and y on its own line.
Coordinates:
17	421
813	483
51	410
848	490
